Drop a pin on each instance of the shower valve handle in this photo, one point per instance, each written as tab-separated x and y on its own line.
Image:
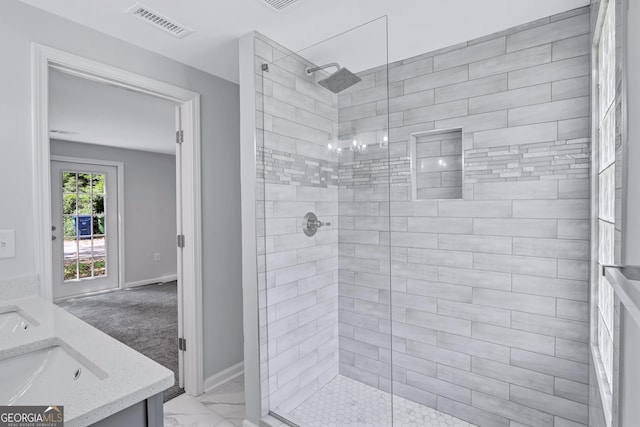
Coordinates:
311	224
317	223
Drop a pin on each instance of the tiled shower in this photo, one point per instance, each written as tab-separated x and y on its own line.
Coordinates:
449	284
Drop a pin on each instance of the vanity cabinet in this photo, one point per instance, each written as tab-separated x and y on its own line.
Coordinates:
147	413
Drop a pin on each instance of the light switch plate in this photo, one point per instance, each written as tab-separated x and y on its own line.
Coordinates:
7	243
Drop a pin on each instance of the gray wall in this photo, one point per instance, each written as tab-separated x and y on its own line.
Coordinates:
489	294
629	372
222	300
632	218
149	206
299	274
630	352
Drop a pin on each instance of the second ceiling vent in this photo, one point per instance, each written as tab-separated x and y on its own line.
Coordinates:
279	4
159	21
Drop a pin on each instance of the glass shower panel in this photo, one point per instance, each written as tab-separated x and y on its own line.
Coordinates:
323	174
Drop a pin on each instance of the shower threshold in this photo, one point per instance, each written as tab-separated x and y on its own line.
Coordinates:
345	402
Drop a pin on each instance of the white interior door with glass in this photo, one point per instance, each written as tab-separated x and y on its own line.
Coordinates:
84	206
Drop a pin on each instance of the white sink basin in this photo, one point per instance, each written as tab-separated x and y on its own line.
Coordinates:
12	322
46	376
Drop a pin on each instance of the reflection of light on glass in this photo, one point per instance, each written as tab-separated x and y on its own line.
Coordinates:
442	163
334	148
357	147
385	141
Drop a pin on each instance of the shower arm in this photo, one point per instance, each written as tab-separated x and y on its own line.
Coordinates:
322	67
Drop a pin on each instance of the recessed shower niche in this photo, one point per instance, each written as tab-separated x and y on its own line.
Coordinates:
436	164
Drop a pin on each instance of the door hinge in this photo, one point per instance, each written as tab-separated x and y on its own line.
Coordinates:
179	137
182	344
181	240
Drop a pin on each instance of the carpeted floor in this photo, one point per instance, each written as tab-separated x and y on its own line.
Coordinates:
144	318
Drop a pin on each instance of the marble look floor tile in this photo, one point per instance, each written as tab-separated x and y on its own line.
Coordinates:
227	400
185	404
186	411
227	411
201	420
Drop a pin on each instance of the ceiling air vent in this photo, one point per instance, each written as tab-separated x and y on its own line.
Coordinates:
157	20
279	4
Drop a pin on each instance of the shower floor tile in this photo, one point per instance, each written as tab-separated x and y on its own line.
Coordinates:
346	402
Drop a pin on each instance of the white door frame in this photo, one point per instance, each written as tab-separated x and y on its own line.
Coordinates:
120	178
44	58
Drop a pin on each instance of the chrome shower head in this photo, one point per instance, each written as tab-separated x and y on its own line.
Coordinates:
338	81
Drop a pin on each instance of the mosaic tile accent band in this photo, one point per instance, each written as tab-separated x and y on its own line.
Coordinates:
375	171
281	167
544	160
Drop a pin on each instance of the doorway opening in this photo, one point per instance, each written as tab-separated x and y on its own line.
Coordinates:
82	198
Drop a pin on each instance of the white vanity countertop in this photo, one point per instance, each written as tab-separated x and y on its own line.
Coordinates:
130	376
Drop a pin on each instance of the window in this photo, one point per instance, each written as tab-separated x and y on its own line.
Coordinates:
606	194
83	199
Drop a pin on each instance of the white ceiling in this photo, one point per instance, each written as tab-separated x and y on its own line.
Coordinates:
415	26
108	115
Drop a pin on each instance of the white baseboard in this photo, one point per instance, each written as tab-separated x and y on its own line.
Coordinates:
161	279
222	377
246	423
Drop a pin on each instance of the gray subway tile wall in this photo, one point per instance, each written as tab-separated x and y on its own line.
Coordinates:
489	293
475	307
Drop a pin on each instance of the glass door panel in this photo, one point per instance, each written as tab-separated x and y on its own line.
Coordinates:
84	206
324	281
